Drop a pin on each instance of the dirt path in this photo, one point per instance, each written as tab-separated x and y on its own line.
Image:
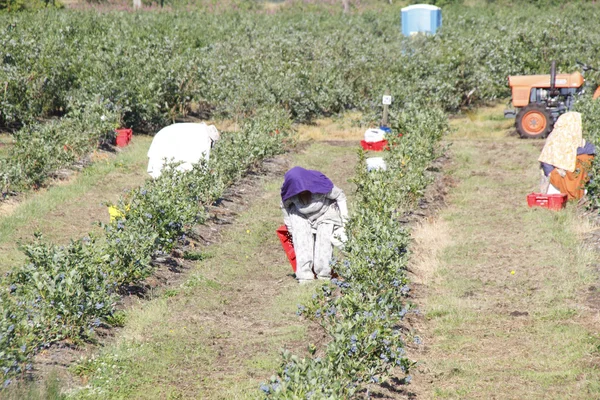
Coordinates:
219	333
506	286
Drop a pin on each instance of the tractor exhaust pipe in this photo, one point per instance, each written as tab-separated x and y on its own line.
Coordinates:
553	77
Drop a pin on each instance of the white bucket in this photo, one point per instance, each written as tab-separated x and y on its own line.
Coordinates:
376	164
374	135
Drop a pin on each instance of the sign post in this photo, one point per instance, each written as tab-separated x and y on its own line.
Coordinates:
387	100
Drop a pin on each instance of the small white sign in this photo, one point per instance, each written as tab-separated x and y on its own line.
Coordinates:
387	100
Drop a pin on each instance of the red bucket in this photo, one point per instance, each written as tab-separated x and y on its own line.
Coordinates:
375	146
288	245
123	136
550	201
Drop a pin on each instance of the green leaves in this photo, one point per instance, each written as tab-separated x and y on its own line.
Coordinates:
146	69
363	309
65	292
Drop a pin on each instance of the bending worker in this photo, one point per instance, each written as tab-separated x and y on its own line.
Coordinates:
186	143
314	211
566	158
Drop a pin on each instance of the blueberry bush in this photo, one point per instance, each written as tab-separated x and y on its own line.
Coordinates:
363	309
141	70
68	78
66	292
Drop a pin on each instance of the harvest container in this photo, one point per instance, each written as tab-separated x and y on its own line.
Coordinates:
288	245
374	135
123	136
421	18
374	146
550	201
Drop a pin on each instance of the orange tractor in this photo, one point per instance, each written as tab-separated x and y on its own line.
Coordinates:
540	99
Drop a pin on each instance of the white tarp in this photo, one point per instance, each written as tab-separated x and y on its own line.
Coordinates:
187	143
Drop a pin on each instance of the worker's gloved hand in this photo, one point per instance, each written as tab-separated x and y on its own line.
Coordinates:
561	172
344	220
339	238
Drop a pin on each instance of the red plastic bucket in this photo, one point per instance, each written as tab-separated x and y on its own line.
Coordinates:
123	136
550	201
375	146
288	245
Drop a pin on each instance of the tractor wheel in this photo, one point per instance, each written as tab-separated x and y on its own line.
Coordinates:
534	122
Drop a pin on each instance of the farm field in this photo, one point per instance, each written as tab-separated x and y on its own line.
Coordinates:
69	209
218	334
509	300
448	286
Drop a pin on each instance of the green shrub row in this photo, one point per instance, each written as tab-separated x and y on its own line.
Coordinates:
590	115
65	292
363	309
152	66
42	149
146	68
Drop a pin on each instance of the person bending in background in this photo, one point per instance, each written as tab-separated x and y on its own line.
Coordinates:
314	211
566	158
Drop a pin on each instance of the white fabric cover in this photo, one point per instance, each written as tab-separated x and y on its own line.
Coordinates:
374	135
376	163
187	143
552	189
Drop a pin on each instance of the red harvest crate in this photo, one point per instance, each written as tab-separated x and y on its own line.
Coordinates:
375	146
123	137
550	201
288	245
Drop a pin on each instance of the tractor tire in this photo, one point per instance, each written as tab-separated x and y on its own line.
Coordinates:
534	122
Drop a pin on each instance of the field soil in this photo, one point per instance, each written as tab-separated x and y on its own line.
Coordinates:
217	334
506	287
507	295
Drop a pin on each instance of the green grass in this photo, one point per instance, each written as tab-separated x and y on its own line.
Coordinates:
26	390
219	334
477	348
68	210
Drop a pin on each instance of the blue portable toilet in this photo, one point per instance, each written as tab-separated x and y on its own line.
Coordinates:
421	18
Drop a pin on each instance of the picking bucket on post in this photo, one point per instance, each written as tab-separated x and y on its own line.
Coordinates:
288	245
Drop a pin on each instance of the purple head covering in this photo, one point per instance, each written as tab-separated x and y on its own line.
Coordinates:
298	180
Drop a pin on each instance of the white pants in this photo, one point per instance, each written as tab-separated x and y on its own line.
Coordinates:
313	249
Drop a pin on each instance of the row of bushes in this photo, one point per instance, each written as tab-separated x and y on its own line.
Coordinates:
153	66
590	113
43	149
363	309
64	292
144	69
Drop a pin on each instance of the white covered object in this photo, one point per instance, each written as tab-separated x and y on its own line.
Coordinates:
376	163
552	189
187	143
374	135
